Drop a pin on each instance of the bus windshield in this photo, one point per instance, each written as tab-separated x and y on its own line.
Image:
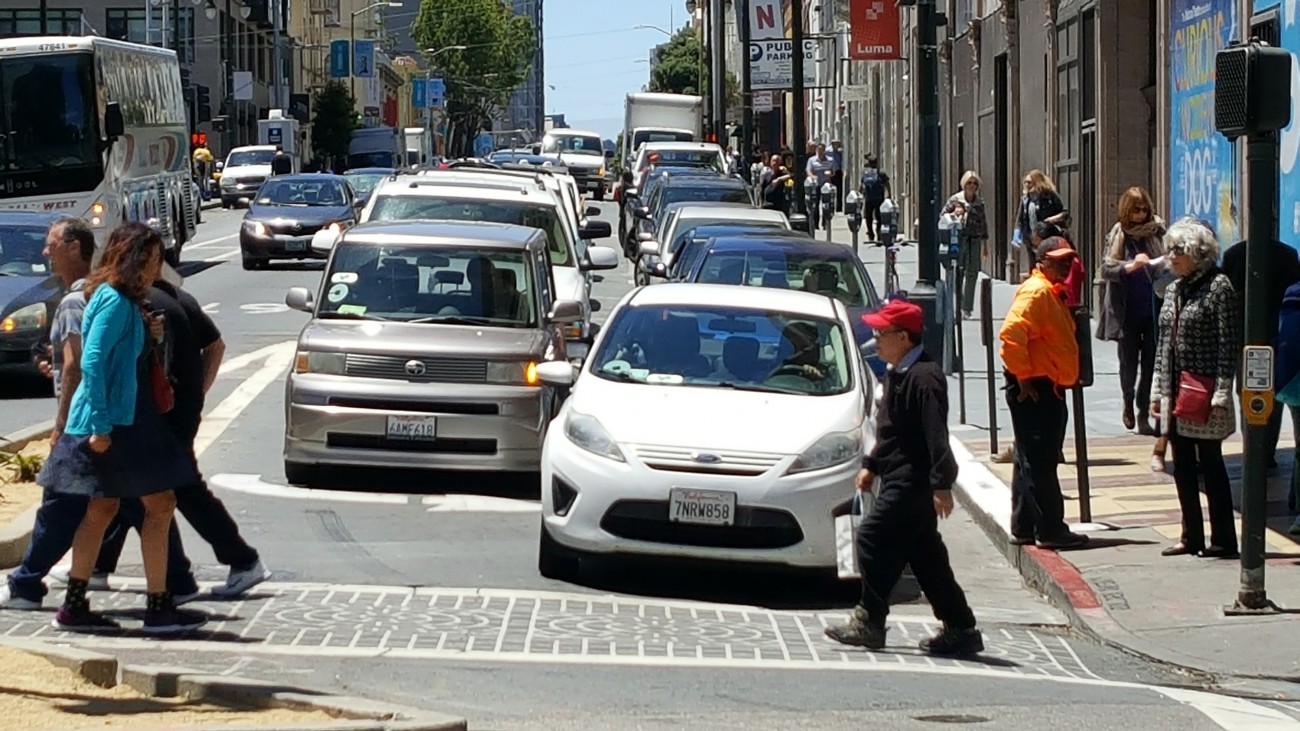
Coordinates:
48	116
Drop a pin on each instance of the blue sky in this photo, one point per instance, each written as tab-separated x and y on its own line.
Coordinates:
592	54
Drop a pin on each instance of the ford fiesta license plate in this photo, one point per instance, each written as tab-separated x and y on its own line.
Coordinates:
701	507
413	428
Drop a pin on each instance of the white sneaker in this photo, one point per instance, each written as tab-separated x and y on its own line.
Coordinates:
98	580
241	581
9	601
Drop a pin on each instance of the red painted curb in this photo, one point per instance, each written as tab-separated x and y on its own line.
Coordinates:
1066	576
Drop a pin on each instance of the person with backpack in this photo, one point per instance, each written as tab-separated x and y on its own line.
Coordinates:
874	187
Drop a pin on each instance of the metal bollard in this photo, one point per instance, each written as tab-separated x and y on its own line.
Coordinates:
1083	336
986	335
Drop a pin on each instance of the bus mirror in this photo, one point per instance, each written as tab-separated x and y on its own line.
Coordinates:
114	125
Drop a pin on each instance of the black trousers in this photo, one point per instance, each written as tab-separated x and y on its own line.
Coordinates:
1037	506
1194	458
871	219
901	529
1137	352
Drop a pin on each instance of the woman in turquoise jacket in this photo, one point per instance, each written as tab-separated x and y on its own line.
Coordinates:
115	444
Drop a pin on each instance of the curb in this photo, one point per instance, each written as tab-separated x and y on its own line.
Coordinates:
210	205
15	536
1069	591
353	714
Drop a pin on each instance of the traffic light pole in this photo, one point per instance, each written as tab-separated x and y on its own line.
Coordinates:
799	143
925	292
746	92
718	69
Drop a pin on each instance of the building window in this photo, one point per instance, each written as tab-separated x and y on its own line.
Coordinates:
140	26
64	22
126	24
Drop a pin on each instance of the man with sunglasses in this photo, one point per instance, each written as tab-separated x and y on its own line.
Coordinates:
916	468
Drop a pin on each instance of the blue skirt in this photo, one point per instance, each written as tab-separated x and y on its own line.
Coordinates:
145	458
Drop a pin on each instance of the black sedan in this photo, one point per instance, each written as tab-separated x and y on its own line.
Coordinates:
289	210
29	291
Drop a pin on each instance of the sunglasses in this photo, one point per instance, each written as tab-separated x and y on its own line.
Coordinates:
1141	209
889	331
1178	249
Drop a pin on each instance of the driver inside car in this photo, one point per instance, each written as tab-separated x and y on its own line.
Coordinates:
801	339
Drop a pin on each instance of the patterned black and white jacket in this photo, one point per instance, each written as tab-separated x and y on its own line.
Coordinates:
1207	343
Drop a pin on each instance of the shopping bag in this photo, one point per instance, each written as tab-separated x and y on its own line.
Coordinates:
846	537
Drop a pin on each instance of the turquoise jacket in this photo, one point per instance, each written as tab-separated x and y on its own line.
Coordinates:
112	338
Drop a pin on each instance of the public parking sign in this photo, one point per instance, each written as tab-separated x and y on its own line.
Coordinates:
437	90
363	60
340	52
771	67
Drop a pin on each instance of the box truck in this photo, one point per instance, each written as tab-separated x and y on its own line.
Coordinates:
376	147
653	117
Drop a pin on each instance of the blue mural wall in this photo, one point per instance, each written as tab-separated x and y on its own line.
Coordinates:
1204	172
1289	193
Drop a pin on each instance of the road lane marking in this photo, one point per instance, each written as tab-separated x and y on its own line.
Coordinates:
220	418
221	257
255	485
210	242
241	361
461	503
1233	714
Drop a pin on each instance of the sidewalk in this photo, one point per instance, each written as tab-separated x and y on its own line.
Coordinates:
1120	589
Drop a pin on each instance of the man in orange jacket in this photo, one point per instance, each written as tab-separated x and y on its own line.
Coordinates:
1041	359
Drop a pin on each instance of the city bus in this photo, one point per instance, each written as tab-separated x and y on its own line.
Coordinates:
96	128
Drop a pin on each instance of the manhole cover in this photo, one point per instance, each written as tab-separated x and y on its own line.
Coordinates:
952	718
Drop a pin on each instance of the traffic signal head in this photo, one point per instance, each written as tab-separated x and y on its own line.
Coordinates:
198	139
1252	89
203	102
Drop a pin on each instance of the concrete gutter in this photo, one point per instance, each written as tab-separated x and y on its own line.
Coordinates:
15	536
353	714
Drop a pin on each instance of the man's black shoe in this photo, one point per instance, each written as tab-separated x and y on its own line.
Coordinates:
954	642
1065	540
858	632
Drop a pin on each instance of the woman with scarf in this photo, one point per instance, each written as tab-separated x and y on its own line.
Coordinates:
1132	265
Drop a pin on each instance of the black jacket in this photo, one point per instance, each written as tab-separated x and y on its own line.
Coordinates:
281	164
1283	270
912	450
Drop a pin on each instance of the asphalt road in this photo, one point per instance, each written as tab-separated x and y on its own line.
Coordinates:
433	599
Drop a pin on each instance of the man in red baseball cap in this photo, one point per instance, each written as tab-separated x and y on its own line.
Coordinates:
916	469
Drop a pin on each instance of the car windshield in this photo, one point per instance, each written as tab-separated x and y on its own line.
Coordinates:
276	192
725	347
834	277
21	251
363	183
449	285
240	158
713	193
582	145
406	208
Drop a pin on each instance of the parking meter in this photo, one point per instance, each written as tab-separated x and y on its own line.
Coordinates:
828	205
950	228
810	203
888	222
853	210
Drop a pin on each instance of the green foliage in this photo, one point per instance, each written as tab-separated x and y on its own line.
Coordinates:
336	117
26	466
680	69
498	52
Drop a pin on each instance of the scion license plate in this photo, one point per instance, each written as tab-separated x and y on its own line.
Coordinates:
296	244
702	507
413	428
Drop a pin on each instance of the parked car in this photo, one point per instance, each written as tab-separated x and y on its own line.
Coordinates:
710	422
29	291
287	213
692	244
691	188
423	350
364	180
682	219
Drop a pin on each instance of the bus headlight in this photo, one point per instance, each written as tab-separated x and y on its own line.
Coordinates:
98	214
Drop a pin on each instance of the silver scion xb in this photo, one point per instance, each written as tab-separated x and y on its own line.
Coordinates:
422	351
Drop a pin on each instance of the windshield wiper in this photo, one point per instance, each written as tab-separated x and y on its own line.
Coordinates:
760	389
350	316
454	320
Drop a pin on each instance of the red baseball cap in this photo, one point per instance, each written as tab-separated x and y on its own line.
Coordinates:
896	313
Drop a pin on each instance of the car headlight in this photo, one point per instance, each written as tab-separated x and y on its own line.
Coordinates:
514	374
831	450
257	227
30	317
308	361
600	172
587	432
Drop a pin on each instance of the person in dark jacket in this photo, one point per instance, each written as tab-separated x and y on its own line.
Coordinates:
917	470
281	164
1283	269
1287	345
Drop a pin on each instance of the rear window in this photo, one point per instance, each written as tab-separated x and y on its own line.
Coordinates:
407	208
679	193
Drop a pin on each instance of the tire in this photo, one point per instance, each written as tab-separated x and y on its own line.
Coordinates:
639	277
251	264
555	561
299	473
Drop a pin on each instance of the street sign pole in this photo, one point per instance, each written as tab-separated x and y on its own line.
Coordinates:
800	142
746	89
925	293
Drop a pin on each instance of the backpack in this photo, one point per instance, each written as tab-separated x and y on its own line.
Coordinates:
1287	344
874	184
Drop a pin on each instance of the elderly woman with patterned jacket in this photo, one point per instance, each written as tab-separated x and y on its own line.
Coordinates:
1195	367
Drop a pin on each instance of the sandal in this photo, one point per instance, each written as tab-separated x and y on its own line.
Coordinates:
1157	462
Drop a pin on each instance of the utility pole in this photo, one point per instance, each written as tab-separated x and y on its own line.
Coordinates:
718	68
228	39
277	62
800	141
925	292
746	90
44	10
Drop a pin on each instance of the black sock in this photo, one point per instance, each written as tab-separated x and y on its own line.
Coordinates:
76	595
159	601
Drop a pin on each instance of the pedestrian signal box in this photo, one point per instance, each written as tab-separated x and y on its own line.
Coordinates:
198	139
1257	384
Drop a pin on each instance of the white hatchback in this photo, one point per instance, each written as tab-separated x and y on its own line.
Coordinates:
709	422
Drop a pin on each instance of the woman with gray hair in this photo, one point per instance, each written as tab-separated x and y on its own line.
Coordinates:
967	206
1195	367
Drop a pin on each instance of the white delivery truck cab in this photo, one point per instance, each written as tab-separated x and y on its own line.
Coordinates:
419	146
376	147
654	117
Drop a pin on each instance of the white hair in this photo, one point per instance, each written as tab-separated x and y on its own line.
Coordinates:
1196	239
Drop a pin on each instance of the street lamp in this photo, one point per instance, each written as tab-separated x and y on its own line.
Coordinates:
652	27
352	33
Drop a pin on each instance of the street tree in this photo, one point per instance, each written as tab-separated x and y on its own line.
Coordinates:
331	128
498	49
681	69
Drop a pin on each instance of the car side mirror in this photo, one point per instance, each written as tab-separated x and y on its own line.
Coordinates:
601	258
642	213
649	248
595	230
300	299
799	222
632	192
114	124
609	154
593	210
644	236
565	312
556	373
324	240
358	204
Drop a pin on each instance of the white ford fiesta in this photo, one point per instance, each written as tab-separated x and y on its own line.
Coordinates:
709	422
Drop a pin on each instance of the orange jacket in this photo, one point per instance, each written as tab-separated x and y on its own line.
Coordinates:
1038	334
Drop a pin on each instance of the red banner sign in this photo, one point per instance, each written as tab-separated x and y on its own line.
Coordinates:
876	30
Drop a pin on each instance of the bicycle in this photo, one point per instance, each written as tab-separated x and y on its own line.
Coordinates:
892	285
